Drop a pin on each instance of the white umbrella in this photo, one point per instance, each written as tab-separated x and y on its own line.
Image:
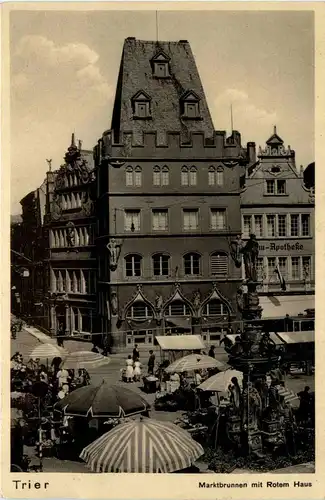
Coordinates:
48	351
84	359
194	362
221	381
142	446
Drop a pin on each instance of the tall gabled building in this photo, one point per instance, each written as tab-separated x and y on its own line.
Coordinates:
278	205
168	203
70	303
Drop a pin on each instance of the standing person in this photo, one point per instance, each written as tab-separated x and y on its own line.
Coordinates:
136	353
151	362
137	371
63	377
43	375
129	369
60	335
211	352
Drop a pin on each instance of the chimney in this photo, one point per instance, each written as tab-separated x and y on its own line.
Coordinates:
251	152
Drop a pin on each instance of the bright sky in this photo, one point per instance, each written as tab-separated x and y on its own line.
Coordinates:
64	68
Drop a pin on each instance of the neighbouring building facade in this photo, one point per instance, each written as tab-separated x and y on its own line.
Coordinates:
28	252
168	203
70	301
278	207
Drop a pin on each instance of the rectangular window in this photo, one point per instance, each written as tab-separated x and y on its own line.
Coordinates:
282	225
142	109
129	177
138	177
270	226
160	220
191	110
193	177
218	219
294	225
306	267
184	178
295	268
190	220
283	266
219	177
260	268
270	187
165	177
133	266
247	222
132	220
156	178
281	186
305	224
270	266
258	221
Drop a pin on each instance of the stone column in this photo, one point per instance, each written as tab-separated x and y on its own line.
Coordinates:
52	320
67	319
117	337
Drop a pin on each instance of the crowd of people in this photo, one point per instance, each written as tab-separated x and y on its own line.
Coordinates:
58	382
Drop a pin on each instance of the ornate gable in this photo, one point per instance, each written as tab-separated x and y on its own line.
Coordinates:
216	295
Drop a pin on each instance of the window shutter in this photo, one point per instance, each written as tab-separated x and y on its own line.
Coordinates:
219	264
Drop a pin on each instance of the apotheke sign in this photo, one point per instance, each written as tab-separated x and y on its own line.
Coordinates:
287	247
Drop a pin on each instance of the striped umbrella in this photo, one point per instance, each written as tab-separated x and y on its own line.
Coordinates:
286	394
84	359
221	381
47	351
194	362
142	446
102	400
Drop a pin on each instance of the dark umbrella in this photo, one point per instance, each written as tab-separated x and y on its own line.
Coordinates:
102	400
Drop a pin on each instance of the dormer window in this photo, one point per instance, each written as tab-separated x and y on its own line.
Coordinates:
190	106
141	105
160	65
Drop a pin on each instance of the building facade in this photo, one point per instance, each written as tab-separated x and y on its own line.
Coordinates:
27	257
70	301
278	207
168	203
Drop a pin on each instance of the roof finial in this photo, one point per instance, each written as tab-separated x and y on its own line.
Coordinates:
49	162
73	144
274	129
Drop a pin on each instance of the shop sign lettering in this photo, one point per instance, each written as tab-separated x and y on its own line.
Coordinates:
275	247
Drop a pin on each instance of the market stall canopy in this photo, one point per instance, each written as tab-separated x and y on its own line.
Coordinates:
297	337
278	307
142	446
102	400
47	351
194	362
180	342
221	381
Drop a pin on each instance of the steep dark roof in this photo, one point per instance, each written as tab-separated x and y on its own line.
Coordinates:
136	74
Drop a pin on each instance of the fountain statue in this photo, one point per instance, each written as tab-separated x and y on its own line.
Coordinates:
254	355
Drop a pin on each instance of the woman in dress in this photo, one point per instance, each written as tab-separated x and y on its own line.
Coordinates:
129	369
137	371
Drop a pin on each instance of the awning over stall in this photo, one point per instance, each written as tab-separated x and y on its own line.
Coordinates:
279	306
297	337
180	342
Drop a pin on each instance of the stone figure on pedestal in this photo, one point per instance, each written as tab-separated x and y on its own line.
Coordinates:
114	250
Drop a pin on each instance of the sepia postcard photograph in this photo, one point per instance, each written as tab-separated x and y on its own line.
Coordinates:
159	265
